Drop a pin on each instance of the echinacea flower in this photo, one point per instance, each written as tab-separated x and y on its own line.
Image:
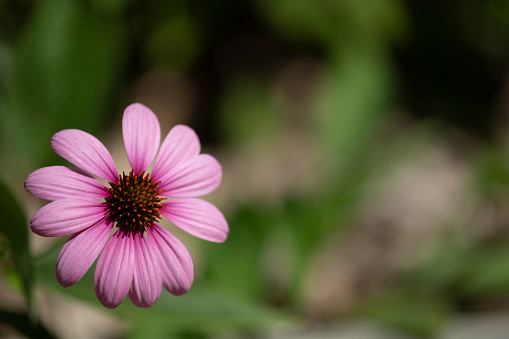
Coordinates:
141	255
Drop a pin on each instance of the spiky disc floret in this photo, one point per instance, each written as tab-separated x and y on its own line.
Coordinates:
134	202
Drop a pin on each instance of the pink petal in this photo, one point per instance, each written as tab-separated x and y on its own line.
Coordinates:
175	261
80	252
180	145
197	217
142	135
64	217
196	177
115	269
146	285
59	182
85	151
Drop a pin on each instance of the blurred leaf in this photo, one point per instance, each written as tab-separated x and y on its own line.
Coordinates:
423	315
214	311
13	15
109	6
234	266
492	170
24	325
247	111
5	64
356	96
302	21
498	10
15	229
337	23
310	222
65	67
488	274
370	21
313	223
174	42
444	270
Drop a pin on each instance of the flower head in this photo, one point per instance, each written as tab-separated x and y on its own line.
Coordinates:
141	255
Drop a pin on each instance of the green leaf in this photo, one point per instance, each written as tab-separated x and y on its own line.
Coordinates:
336	23
174	42
301	21
488	274
15	229
441	273
247	111
212	310
492	169
234	265
65	66
357	93
423	315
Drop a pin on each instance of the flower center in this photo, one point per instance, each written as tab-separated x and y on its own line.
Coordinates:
134	202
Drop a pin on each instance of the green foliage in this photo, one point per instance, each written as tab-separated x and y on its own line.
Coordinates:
174	42
356	97
487	276
14	229
64	67
247	111
235	266
336	23
493	171
73	64
422	315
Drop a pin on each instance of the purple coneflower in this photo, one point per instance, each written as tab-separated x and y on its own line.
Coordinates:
141	255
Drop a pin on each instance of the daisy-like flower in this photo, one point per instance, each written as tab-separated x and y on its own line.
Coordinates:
141	255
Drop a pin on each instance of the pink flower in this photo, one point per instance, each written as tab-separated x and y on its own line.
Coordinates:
141	255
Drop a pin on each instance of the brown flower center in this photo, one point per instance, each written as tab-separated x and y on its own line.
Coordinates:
134	202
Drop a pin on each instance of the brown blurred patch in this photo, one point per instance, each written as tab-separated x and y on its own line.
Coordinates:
399	224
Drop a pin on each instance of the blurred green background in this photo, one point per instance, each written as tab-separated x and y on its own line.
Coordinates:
365	152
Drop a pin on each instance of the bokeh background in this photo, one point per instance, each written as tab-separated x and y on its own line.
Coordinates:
365	152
